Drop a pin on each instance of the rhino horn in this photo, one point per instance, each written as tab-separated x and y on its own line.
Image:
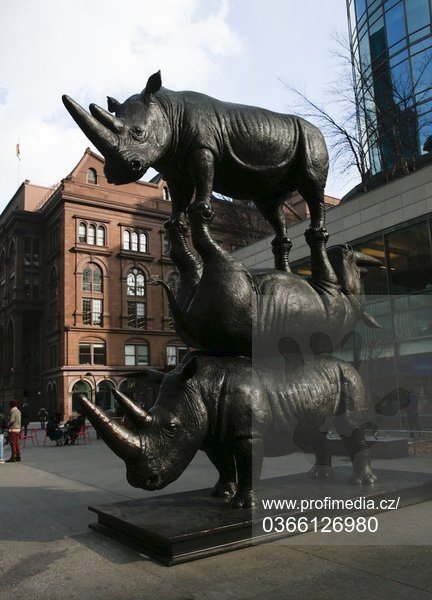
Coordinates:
139	416
104	139
125	443
366	260
103	116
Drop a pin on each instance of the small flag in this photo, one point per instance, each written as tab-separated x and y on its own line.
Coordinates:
18	153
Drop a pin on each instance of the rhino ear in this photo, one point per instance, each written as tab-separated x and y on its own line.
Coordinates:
113	104
153	84
189	368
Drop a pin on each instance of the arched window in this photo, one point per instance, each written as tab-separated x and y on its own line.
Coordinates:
136	283
82	233
104	396
92	176
101	236
134	244
126	240
80	388
143	242
92	278
91	235
166	194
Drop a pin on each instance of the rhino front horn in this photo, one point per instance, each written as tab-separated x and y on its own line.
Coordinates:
366	260
125	443
103	138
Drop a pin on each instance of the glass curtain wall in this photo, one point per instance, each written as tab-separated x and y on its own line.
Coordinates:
391	47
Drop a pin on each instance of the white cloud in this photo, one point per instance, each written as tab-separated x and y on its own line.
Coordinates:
89	50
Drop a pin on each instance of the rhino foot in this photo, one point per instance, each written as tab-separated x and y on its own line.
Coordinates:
245	499
316	234
366	477
177	224
199	212
321	472
225	489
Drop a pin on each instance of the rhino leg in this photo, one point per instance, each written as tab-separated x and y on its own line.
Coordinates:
272	211
248	456
322	468
358	450
226	486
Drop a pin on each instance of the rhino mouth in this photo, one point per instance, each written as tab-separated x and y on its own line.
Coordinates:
133	170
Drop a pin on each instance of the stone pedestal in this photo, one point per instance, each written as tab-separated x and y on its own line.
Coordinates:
181	527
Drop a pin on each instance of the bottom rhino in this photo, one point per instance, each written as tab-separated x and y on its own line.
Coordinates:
239	411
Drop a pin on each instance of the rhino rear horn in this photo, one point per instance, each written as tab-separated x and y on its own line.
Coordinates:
103	116
103	138
125	443
138	415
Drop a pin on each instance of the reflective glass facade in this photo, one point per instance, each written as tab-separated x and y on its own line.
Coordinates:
391	45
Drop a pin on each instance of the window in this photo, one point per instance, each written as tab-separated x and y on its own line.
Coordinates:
126	240
92	353
137	241
174	354
410	259
137	314
92	234
100	240
166	194
92	176
135	283
80	388
82	233
31	251
92	311
31	285
137	354
92	278
166	246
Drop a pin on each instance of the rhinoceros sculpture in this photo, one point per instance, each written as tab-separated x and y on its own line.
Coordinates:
201	144
222	308
238	412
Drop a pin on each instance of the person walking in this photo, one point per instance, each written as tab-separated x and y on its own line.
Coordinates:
25	417
43	415
14	431
3	424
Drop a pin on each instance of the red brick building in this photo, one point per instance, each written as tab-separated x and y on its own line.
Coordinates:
76	309
77	312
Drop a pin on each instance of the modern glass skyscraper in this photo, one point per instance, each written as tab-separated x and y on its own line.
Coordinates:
391	45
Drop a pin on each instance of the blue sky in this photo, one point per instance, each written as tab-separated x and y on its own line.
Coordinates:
237	50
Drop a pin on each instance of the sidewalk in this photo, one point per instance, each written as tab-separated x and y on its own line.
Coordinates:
47	550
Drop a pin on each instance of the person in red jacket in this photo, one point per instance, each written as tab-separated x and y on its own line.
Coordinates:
14	431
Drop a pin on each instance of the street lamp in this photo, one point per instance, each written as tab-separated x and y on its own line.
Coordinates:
88	374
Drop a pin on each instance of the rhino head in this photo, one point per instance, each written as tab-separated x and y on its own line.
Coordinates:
163	440
131	140
349	265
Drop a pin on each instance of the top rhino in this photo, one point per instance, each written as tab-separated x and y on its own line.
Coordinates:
200	144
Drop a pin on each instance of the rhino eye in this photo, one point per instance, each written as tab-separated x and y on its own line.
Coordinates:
170	428
137	132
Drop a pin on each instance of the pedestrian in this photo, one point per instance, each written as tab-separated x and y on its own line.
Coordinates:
42	415
25	417
3	424
14	427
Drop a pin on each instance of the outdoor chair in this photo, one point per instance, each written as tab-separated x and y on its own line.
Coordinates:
31	435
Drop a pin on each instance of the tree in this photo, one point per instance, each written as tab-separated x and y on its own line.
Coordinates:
381	106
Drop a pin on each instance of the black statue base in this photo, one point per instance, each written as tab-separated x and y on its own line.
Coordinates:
182	527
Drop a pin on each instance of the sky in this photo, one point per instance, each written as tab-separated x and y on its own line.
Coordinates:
235	50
